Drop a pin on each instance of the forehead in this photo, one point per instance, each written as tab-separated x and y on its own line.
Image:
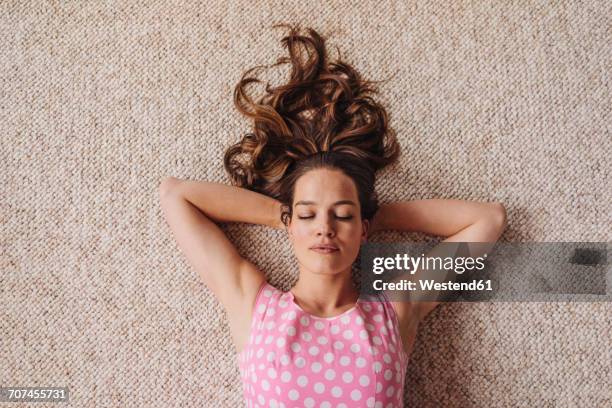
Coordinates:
324	185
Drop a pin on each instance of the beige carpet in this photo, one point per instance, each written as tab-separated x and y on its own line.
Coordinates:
99	101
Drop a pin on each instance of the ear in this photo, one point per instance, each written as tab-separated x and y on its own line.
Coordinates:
366	228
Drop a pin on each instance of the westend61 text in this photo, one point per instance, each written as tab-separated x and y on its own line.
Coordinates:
428	284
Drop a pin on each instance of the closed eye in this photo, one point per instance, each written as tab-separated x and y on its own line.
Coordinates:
340	218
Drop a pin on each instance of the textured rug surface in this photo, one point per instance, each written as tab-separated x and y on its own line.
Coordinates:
492	101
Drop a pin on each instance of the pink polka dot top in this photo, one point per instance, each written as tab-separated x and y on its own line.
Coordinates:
295	359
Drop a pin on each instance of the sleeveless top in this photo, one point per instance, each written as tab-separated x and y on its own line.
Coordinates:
296	359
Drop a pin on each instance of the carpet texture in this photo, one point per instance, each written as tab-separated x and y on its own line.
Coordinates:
491	100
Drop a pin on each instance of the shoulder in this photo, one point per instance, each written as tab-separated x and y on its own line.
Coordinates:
258	294
408	323
252	282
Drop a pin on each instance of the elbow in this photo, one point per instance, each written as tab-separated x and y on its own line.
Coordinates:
168	185
500	215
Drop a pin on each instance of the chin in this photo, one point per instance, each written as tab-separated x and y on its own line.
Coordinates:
326	268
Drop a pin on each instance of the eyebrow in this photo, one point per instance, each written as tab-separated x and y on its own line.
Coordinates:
302	202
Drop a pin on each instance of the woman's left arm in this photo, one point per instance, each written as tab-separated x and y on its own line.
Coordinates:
442	217
459	220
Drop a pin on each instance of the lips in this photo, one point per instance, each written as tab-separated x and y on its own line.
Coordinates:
324	246
324	250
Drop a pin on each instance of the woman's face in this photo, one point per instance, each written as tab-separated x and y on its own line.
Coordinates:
318	218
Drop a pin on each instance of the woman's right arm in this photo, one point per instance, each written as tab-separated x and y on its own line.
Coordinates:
223	203
191	209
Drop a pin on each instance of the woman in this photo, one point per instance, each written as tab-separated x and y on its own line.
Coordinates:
310	166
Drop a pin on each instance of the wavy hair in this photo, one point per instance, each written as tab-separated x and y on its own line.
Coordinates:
323	117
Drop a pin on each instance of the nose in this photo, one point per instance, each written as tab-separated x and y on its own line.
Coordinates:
325	228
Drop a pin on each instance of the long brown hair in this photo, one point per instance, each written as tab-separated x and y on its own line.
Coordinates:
323	117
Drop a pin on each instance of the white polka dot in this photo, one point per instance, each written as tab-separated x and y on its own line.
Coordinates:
322	340
390	391
347	377
260	353
348	334
388	375
360	362
345	360
367	308
300	362
286	376
261	399
378	387
384	330
330	374
345	319
293	395
270	325
377	367
387	358
328	357
291	330
341	405
319	388
273	403
271	312
271	372
316	367
369	327
359	320
261	308
285	359
363	334
380	307
302	381
370	402
267	293
309	402
392	347
398	377
319	325
265	384
306	336
355	348
304	320
282	303
314	350
325	404
389	324
269	339
377	340
355	395
378	405
296	347
335	329
280	342
364	380
258	339
336	391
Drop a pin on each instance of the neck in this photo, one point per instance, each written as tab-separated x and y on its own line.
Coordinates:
325	294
